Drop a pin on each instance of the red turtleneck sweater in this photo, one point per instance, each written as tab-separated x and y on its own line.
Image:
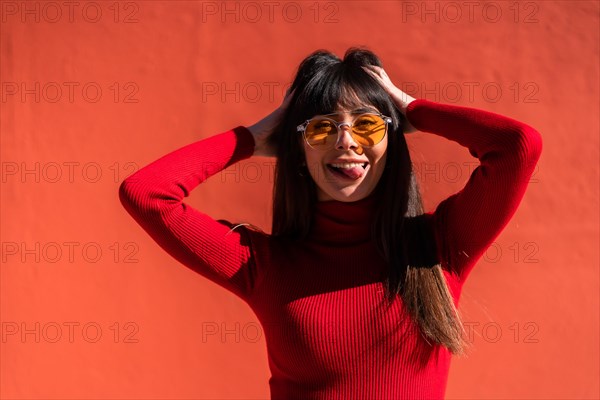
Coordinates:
320	302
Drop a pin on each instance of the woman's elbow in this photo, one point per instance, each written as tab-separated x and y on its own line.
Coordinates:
530	144
129	194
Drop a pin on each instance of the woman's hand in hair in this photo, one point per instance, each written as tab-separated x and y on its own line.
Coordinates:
402	99
265	127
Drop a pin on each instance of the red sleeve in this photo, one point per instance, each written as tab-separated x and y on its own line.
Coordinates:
468	222
154	196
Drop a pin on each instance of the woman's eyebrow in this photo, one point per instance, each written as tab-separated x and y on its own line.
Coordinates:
364	109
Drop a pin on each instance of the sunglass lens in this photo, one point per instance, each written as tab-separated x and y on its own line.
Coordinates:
369	129
321	132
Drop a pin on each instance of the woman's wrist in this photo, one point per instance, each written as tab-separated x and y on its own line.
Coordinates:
254	130
403	100
261	132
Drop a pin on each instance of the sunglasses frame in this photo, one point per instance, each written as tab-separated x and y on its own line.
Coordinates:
302	127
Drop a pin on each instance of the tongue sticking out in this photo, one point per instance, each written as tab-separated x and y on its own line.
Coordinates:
354	173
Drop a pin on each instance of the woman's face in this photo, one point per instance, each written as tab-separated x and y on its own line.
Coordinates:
332	183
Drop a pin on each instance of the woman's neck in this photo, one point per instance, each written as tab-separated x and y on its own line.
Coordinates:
339	222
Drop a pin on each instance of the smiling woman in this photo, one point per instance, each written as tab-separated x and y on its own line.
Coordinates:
356	287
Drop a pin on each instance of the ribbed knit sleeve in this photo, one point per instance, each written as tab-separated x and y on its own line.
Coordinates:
468	222
154	196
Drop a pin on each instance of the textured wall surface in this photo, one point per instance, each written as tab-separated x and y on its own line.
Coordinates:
91	307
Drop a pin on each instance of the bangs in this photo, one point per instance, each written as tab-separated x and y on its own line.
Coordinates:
342	86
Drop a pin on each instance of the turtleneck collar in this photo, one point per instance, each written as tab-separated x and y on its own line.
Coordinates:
338	222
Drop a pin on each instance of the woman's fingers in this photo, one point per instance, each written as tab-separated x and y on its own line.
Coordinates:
368	69
373	69
379	74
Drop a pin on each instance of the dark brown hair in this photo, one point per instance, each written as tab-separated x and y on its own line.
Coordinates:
400	231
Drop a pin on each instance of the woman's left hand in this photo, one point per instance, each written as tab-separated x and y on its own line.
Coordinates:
401	98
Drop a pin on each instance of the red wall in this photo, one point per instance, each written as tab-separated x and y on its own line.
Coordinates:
91	307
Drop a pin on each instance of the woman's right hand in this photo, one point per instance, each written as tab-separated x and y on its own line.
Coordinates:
265	127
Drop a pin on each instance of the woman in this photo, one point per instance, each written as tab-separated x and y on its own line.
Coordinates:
356	287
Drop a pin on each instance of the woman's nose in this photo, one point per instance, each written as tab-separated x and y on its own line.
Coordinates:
345	138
